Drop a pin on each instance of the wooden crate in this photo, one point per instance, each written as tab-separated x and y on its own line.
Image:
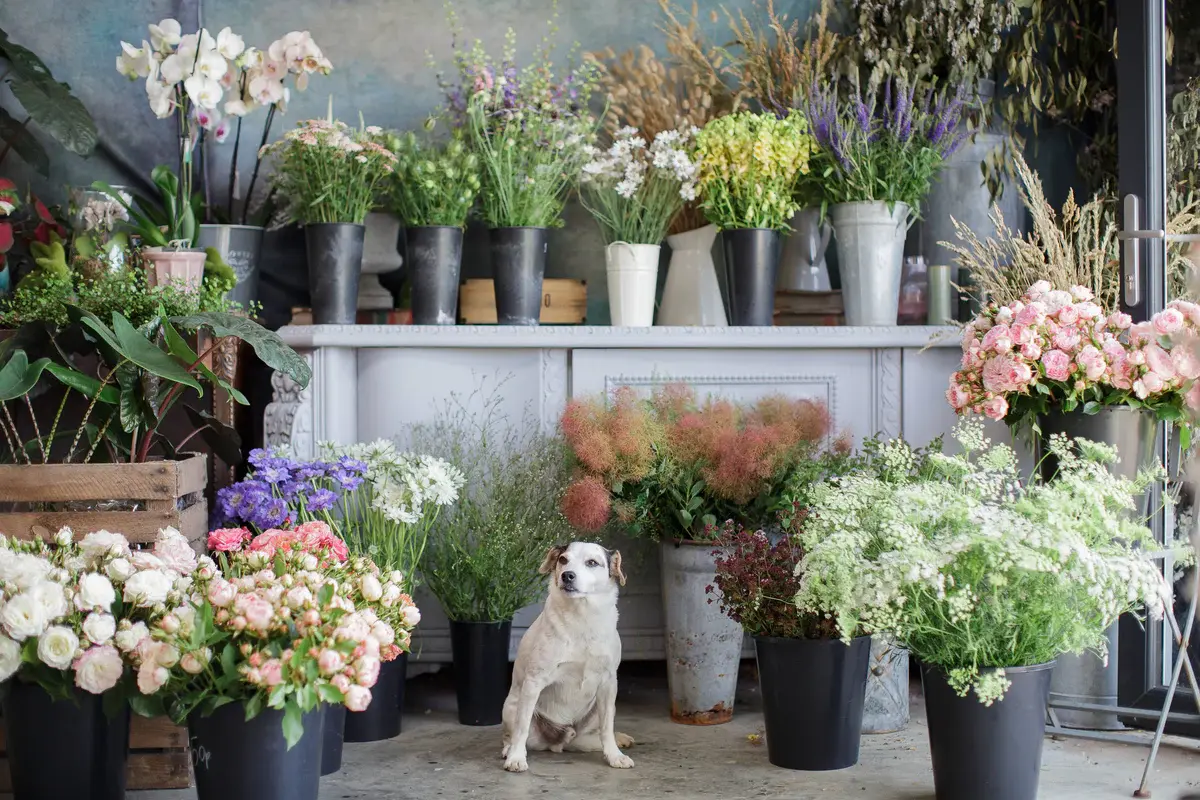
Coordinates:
169	493
564	302
158	756
808	308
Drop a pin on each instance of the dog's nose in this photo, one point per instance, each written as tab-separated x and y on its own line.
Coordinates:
568	577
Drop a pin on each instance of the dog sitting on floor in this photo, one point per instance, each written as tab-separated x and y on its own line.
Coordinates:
564	688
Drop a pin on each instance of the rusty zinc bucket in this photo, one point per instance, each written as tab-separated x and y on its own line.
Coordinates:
703	646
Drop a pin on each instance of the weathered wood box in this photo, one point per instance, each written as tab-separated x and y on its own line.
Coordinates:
159	757
136	500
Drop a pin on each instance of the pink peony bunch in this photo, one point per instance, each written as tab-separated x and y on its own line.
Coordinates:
1059	350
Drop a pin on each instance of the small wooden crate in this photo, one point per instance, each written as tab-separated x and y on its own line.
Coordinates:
808	308
564	302
169	494
159	757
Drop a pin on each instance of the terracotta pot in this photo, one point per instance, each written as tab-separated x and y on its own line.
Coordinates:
183	268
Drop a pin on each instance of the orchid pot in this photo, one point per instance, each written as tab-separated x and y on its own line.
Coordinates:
335	257
632	271
240	246
64	747
166	266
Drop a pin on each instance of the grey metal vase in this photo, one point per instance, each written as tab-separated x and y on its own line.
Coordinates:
335	253
703	646
1085	678
802	266
241	247
870	250
886	706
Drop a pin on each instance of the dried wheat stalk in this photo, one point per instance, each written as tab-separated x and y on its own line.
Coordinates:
774	65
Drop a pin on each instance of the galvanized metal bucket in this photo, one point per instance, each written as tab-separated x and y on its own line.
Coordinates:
870	249
886	707
1086	678
703	646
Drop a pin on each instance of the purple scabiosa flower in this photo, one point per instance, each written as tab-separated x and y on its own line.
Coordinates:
230	500
258	456
321	500
274	472
311	470
274	513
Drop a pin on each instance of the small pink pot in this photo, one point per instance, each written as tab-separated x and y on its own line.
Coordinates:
181	268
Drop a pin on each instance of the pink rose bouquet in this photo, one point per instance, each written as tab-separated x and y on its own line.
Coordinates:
1056	350
71	611
381	599
277	627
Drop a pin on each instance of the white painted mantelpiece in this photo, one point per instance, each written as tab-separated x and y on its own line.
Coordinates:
372	381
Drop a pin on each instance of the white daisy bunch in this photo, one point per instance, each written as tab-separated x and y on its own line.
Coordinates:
972	570
635	189
398	502
67	607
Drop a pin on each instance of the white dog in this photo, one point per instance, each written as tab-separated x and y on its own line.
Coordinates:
564	689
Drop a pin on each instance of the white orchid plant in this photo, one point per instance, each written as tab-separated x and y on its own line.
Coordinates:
73	612
211	83
635	191
972	570
397	504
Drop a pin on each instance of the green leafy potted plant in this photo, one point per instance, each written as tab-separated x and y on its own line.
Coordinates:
530	129
750	166
483	554
330	175
634	190
433	191
673	469
986	581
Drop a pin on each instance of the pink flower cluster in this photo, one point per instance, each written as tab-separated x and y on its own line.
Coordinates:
1061	345
309	537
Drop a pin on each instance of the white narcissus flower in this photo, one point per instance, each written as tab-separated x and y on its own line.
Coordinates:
165	35
148	588
229	44
10	658
98	669
99	628
23	617
95	592
57	646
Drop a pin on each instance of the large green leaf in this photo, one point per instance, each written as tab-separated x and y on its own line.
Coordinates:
138	349
19	376
178	347
85	384
94	327
220	438
49	102
269	348
24	144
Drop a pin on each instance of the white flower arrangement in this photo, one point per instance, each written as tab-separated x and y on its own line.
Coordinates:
973	571
61	620
398	502
633	190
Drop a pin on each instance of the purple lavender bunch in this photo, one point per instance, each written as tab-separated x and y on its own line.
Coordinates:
282	491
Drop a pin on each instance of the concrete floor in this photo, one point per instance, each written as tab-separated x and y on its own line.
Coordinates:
436	757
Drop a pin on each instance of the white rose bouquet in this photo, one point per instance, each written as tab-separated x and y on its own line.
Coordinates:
973	571
72	612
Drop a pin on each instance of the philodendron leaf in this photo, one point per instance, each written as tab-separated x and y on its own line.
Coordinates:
138	349
85	384
51	103
18	376
178	347
269	348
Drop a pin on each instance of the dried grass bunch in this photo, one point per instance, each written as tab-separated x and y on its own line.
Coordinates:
1183	188
777	65
1074	247
687	91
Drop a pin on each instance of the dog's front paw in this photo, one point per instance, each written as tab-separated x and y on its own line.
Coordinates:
619	761
516	763
624	740
504	751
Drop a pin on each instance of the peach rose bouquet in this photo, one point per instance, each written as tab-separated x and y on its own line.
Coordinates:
1055	350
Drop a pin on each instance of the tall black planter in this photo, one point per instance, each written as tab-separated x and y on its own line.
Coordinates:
381	720
987	752
518	266
64	748
235	758
481	673
434	262
334	728
752	263
812	691
335	253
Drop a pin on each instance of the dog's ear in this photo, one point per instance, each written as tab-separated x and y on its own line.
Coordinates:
552	556
614	567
